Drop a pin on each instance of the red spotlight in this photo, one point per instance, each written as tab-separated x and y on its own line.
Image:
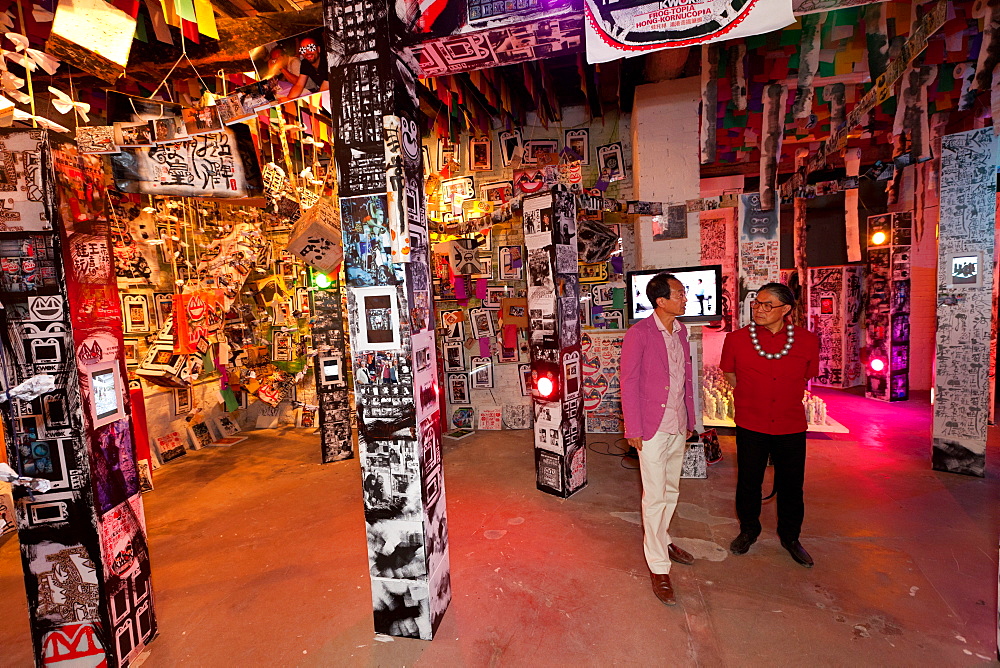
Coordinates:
877	365
545	386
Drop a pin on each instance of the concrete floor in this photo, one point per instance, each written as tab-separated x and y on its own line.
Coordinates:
259	559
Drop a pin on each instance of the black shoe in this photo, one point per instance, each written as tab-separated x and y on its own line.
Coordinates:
742	543
798	552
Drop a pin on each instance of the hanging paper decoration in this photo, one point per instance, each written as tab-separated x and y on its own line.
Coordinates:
93	35
317	238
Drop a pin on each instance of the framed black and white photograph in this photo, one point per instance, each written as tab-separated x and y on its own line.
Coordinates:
510	142
536	149
578	141
458	388
482	323
182	400
496	192
378	318
454	357
481	154
966	270
482	372
611	161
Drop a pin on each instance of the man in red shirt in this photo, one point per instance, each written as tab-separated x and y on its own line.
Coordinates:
772	360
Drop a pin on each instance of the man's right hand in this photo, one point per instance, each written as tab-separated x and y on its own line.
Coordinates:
635	442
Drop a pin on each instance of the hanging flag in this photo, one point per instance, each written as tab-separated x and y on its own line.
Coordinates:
159	21
626	28
206	18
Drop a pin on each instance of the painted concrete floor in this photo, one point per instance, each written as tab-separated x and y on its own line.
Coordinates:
259	559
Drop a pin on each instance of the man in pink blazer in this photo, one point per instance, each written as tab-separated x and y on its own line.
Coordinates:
658	406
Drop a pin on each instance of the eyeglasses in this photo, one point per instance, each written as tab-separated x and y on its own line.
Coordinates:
764	306
308	48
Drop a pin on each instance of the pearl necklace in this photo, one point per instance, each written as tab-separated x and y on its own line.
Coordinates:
772	356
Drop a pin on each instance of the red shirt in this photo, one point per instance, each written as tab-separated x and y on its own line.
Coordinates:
769	393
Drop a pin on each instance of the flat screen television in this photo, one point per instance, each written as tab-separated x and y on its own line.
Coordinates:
703	284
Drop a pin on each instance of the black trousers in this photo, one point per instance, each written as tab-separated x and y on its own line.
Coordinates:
788	453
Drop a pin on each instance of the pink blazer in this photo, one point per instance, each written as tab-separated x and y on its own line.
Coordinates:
645	376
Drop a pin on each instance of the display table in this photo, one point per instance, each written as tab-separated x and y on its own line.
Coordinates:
831	426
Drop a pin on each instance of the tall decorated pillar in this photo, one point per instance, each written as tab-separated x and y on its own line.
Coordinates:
387	270
83	542
554	337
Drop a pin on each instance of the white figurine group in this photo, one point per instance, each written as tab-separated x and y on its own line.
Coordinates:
717	399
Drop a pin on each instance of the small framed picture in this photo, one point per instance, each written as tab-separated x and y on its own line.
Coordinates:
182	400
481	154
493	297
485	268
454	325
965	270
524	375
497	192
454	357
458	388
106	392
541	151
611	161
510	142
130	351
578	141
378	316
481	372
447	153
508	355
482	323
511	263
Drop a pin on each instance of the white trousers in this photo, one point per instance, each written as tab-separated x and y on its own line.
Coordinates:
660	462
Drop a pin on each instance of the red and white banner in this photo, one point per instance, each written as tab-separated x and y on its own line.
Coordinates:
625	28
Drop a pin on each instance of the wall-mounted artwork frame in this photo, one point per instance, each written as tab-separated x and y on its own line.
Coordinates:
965	269
481	154
510	141
378	318
454	357
481	370
458	388
482	323
183	401
578	141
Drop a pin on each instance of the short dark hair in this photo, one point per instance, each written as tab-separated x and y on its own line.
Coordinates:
659	286
781	291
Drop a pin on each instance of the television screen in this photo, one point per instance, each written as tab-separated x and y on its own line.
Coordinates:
703	285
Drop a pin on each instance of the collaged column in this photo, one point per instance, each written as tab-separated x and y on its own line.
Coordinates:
964	301
83	540
386	263
554	338
887	320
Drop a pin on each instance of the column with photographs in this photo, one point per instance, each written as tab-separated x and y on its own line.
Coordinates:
386	264
554	341
759	253
331	377
887	320
964	301
83	539
835	304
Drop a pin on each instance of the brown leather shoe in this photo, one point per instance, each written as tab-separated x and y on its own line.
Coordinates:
679	555
662	588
